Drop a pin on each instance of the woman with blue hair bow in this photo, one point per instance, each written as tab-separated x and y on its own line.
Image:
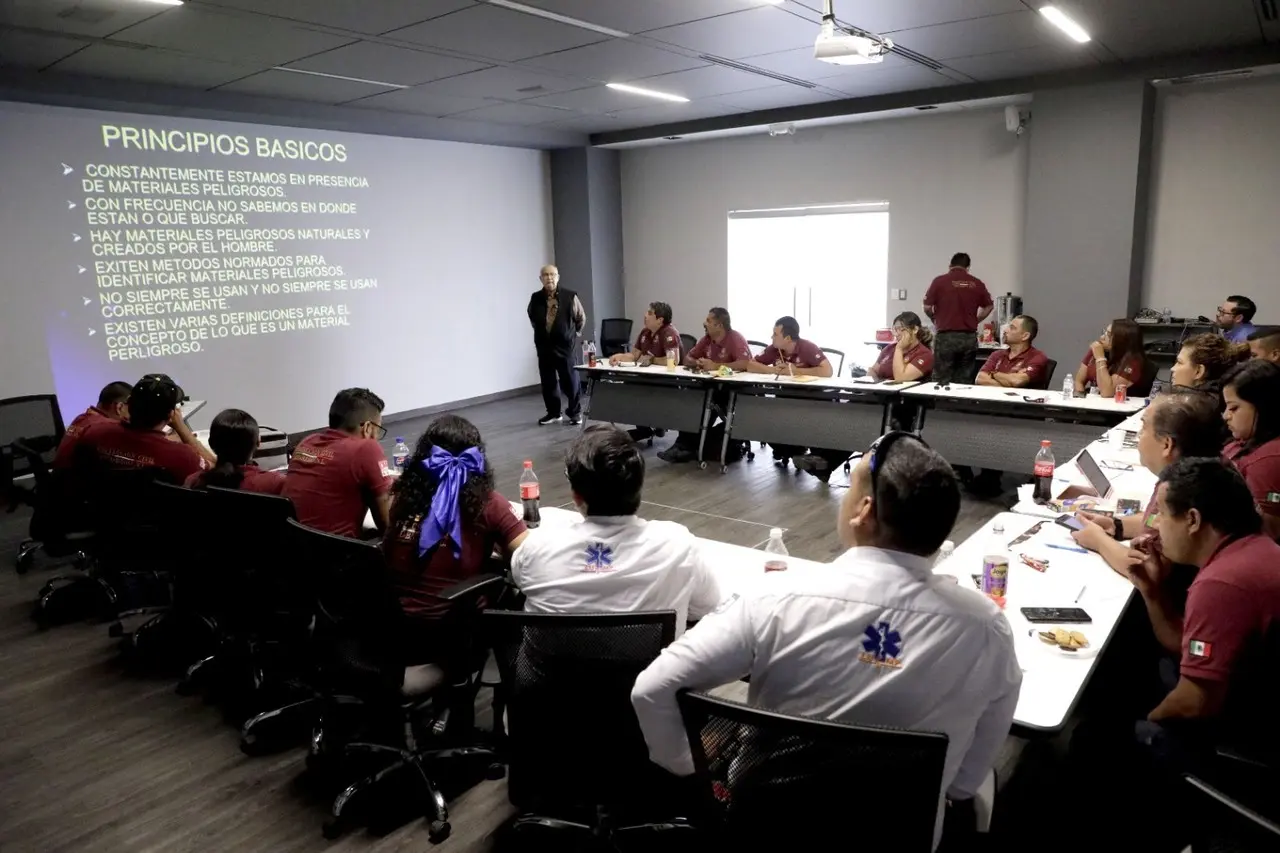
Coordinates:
446	518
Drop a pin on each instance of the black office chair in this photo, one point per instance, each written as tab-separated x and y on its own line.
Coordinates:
35	420
361	648
687	343
777	781
1225	825
757	347
58	526
1050	368
615	336
577	761
831	355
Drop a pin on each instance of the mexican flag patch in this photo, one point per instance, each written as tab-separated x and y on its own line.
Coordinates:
1273	497
1200	649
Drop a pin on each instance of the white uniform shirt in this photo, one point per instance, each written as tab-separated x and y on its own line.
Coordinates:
873	639
615	564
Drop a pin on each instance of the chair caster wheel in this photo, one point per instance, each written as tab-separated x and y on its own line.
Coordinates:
439	831
702	465
650	443
495	771
724	469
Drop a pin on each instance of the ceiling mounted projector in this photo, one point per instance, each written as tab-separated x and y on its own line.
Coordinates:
841	46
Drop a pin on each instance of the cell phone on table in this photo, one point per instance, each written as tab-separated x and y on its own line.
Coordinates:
1066	615
1070	522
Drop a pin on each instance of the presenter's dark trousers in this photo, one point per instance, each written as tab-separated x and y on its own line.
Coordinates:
557	368
954	355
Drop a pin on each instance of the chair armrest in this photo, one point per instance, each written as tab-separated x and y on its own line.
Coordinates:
29	453
473	587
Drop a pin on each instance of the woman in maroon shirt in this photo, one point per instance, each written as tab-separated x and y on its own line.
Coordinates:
1252	395
1115	359
233	437
446	521
1204	359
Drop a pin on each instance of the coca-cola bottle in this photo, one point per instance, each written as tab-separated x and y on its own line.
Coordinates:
530	495
1044	474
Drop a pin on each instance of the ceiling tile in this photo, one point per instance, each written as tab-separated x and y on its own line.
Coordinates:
522	114
372	61
782	95
672	113
497	33
616	59
27	50
1132	31
861	81
151	65
637	16
231	38
1012	31
96	18
706	81
367	16
300	87
799	63
1023	62
881	17
593	99
506	82
748	33
419	100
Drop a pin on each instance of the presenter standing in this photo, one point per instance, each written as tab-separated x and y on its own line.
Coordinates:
558	320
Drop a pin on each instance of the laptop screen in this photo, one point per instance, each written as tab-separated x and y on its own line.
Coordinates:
1094	474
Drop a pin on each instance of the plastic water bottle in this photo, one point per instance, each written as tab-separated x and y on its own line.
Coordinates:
530	496
777	559
1043	473
400	454
995	563
1068	387
944	553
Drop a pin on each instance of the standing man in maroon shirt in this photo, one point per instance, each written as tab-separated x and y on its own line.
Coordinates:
338	473
720	347
113	405
956	302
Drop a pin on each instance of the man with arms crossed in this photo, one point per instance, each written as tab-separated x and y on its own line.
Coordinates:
335	475
877	639
956	302
558	320
612	560
1021	365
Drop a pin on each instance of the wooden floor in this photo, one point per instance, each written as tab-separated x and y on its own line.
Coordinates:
92	759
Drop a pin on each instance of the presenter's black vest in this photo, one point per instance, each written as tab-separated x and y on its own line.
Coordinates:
560	339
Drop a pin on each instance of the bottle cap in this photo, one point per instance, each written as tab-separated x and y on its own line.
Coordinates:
1045	443
775	532
528	463
399	439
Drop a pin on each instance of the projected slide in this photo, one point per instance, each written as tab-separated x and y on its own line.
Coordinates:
263	265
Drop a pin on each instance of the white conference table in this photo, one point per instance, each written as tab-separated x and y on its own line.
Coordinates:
1052	680
650	396
1136	484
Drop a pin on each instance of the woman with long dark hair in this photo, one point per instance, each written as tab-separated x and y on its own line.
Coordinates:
909	358
233	438
446	518
1252	395
1116	359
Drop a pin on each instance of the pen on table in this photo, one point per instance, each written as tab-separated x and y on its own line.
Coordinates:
1067	548
1081	595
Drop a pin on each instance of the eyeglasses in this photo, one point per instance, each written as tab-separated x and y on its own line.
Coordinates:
382	431
878	454
1228	311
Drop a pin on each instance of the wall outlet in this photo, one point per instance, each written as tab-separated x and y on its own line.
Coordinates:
899	293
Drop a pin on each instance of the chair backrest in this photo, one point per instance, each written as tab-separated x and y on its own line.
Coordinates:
182	516
687	343
253	535
1050	368
1224	824
125	511
37	420
615	329
757	347
837	356
573	735
756	762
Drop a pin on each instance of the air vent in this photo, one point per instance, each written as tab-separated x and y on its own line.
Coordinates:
751	69
1215	77
672	138
1269	10
917	58
528	90
927	107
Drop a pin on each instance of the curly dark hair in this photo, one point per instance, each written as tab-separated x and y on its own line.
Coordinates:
417	486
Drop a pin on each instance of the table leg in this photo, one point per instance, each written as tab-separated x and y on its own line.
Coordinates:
728	427
707	414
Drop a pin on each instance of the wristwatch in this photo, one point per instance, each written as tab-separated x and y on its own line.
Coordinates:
1118	532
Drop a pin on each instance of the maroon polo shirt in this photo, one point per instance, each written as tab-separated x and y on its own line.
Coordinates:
75	430
1261	471
255	480
1131	370
333	478
1233	602
122	446
956	297
732	347
418	580
919	355
656	344
1030	361
805	354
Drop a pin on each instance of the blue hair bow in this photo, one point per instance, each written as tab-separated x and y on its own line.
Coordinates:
445	518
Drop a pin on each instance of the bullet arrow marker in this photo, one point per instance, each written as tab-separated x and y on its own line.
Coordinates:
92	333
71	205
67	170
75	238
87	300
80	270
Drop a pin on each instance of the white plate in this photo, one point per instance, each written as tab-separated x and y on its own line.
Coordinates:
1080	654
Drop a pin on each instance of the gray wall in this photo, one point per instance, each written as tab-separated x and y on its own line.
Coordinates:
1088	179
586	197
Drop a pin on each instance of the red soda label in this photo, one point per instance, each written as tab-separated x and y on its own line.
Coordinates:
1044	469
775	565
1122	394
528	491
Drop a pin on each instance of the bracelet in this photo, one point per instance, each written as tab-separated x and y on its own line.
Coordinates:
1118	533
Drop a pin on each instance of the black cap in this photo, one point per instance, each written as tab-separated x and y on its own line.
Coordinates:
157	388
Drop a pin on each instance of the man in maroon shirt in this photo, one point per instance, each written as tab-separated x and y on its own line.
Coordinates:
338	473
1021	365
788	354
956	302
113	405
720	347
141	441
657	338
